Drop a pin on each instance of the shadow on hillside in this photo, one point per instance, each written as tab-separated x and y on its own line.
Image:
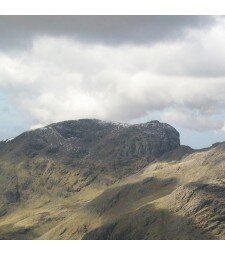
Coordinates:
118	200
148	223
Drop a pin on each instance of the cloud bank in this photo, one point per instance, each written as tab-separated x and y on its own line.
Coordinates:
61	77
20	31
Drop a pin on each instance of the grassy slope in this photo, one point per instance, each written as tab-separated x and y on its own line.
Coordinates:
170	199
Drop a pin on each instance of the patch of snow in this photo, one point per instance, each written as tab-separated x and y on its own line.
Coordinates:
37	126
9	139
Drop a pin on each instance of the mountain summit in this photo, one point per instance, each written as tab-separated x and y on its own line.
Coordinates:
84	137
117	147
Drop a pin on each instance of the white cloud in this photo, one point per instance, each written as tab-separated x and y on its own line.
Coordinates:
61	79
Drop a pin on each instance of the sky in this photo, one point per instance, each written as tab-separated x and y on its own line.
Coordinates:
120	68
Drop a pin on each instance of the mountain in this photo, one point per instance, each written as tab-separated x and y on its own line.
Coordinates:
65	157
90	179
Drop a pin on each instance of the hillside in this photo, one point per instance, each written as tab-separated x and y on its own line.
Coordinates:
89	179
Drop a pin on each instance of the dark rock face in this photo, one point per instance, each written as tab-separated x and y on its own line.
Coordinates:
149	140
12	197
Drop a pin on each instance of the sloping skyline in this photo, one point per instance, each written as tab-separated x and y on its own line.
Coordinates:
121	68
